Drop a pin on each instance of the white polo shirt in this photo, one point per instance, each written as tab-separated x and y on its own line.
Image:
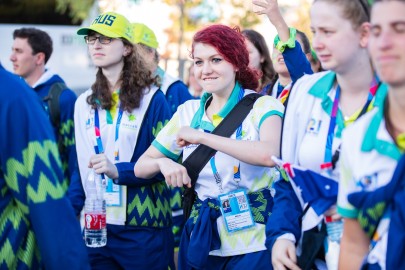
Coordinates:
306	126
368	160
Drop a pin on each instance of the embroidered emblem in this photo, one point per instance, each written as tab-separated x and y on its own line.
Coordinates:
367	182
131	117
89	122
314	126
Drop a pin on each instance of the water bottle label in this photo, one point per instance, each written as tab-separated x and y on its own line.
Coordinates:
95	221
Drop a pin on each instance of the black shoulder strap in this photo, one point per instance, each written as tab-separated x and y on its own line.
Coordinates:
53	102
200	156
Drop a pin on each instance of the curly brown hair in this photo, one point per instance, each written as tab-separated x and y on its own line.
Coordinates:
135	77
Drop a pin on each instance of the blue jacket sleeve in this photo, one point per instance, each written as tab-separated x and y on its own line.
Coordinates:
31	175
296	62
75	191
157	115
176	95
286	214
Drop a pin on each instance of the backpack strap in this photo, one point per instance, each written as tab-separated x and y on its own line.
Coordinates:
54	110
53	102
202	154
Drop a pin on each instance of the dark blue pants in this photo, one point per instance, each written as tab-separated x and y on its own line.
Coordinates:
134	248
255	261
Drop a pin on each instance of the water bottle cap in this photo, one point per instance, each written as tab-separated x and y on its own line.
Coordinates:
328	219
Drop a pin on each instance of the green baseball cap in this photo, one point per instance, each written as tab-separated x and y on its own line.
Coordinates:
144	35
110	24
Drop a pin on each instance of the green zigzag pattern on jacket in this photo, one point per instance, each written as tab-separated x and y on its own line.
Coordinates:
283	174
45	188
4	190
243	236
35	150
67	127
154	209
23	255
370	220
264	181
14	217
158	128
257	217
258	211
66	130
68	142
176	199
197	205
27	255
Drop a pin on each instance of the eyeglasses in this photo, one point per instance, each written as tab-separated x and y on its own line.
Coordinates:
102	39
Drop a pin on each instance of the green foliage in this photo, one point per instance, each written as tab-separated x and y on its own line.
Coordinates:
242	14
78	9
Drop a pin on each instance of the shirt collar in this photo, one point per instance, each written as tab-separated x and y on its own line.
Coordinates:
160	72
377	138
322	89
198	121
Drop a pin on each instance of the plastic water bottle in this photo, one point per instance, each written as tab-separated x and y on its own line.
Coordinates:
95	229
334	230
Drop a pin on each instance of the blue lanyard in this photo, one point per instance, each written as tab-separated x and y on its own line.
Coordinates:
99	144
236	169
332	124
331	131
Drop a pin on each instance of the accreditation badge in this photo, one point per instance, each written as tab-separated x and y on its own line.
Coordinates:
112	194
236	211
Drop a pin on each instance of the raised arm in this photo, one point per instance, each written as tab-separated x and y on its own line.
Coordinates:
271	9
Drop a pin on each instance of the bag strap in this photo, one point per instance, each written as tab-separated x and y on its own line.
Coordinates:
54	110
53	102
202	154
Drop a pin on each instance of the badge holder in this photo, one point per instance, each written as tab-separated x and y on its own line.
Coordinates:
236	211
112	194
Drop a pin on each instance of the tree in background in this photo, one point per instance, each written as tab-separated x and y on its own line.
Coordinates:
191	15
298	15
78	10
187	16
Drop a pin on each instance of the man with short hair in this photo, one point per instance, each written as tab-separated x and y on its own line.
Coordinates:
31	50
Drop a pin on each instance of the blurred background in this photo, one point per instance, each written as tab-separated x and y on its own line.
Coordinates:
173	21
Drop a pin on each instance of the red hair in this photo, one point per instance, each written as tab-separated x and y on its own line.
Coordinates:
230	44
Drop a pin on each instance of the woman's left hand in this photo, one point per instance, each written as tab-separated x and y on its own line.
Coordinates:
187	136
101	164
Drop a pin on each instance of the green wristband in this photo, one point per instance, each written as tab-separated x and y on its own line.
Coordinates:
280	45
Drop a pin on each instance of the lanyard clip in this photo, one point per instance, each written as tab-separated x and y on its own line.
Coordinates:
327	166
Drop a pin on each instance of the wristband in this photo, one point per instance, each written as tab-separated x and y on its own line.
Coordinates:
290	43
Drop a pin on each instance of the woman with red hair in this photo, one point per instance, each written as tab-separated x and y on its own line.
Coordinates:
241	171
